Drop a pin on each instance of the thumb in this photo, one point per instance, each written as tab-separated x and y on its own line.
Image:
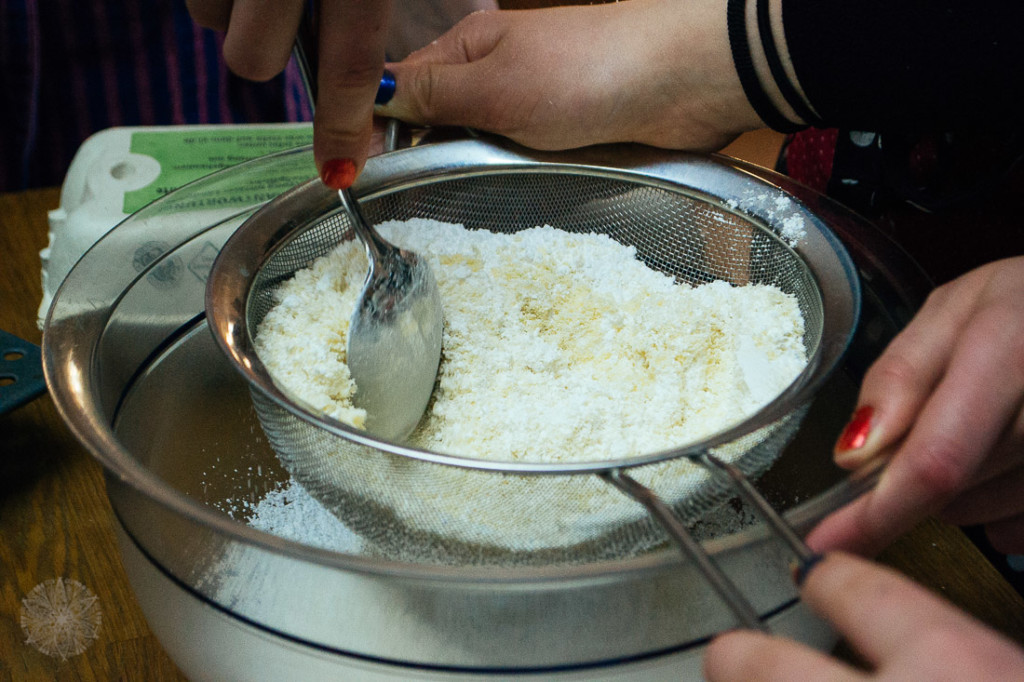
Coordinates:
453	81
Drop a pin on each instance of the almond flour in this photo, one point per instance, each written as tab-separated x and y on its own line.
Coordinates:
556	346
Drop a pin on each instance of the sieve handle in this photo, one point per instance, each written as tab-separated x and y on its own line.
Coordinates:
806	558
726	589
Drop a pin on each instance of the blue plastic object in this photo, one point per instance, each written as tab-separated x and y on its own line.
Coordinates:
21	372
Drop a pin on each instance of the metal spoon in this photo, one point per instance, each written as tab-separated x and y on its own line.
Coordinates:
394	337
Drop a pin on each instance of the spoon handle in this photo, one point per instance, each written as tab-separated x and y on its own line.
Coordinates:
376	247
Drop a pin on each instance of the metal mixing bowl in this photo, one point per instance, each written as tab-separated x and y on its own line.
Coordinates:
136	374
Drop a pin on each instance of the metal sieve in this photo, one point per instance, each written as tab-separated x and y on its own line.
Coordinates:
696	218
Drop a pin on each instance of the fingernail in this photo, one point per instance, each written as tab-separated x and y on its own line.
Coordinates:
338	173
386	89
856	433
803	568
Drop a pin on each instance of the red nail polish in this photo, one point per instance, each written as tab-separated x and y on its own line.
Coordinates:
338	173
855	435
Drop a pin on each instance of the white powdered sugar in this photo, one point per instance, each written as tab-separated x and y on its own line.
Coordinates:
781	211
292	513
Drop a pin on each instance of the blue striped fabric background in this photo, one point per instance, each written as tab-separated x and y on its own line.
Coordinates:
73	67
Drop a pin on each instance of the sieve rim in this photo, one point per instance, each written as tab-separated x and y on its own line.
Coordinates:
73	337
714	178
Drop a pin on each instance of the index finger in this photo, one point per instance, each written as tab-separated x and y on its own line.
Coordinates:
956	429
351	61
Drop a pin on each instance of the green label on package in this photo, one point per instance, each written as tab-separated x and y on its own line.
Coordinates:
186	155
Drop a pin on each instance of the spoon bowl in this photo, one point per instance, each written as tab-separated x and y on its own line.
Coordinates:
394	337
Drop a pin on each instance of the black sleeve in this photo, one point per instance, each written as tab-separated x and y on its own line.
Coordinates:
909	64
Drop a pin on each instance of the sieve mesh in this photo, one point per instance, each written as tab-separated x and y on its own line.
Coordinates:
413	506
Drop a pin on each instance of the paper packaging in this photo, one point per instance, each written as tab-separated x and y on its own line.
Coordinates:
117	171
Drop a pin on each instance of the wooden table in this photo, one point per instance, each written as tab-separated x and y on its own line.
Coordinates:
55	520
